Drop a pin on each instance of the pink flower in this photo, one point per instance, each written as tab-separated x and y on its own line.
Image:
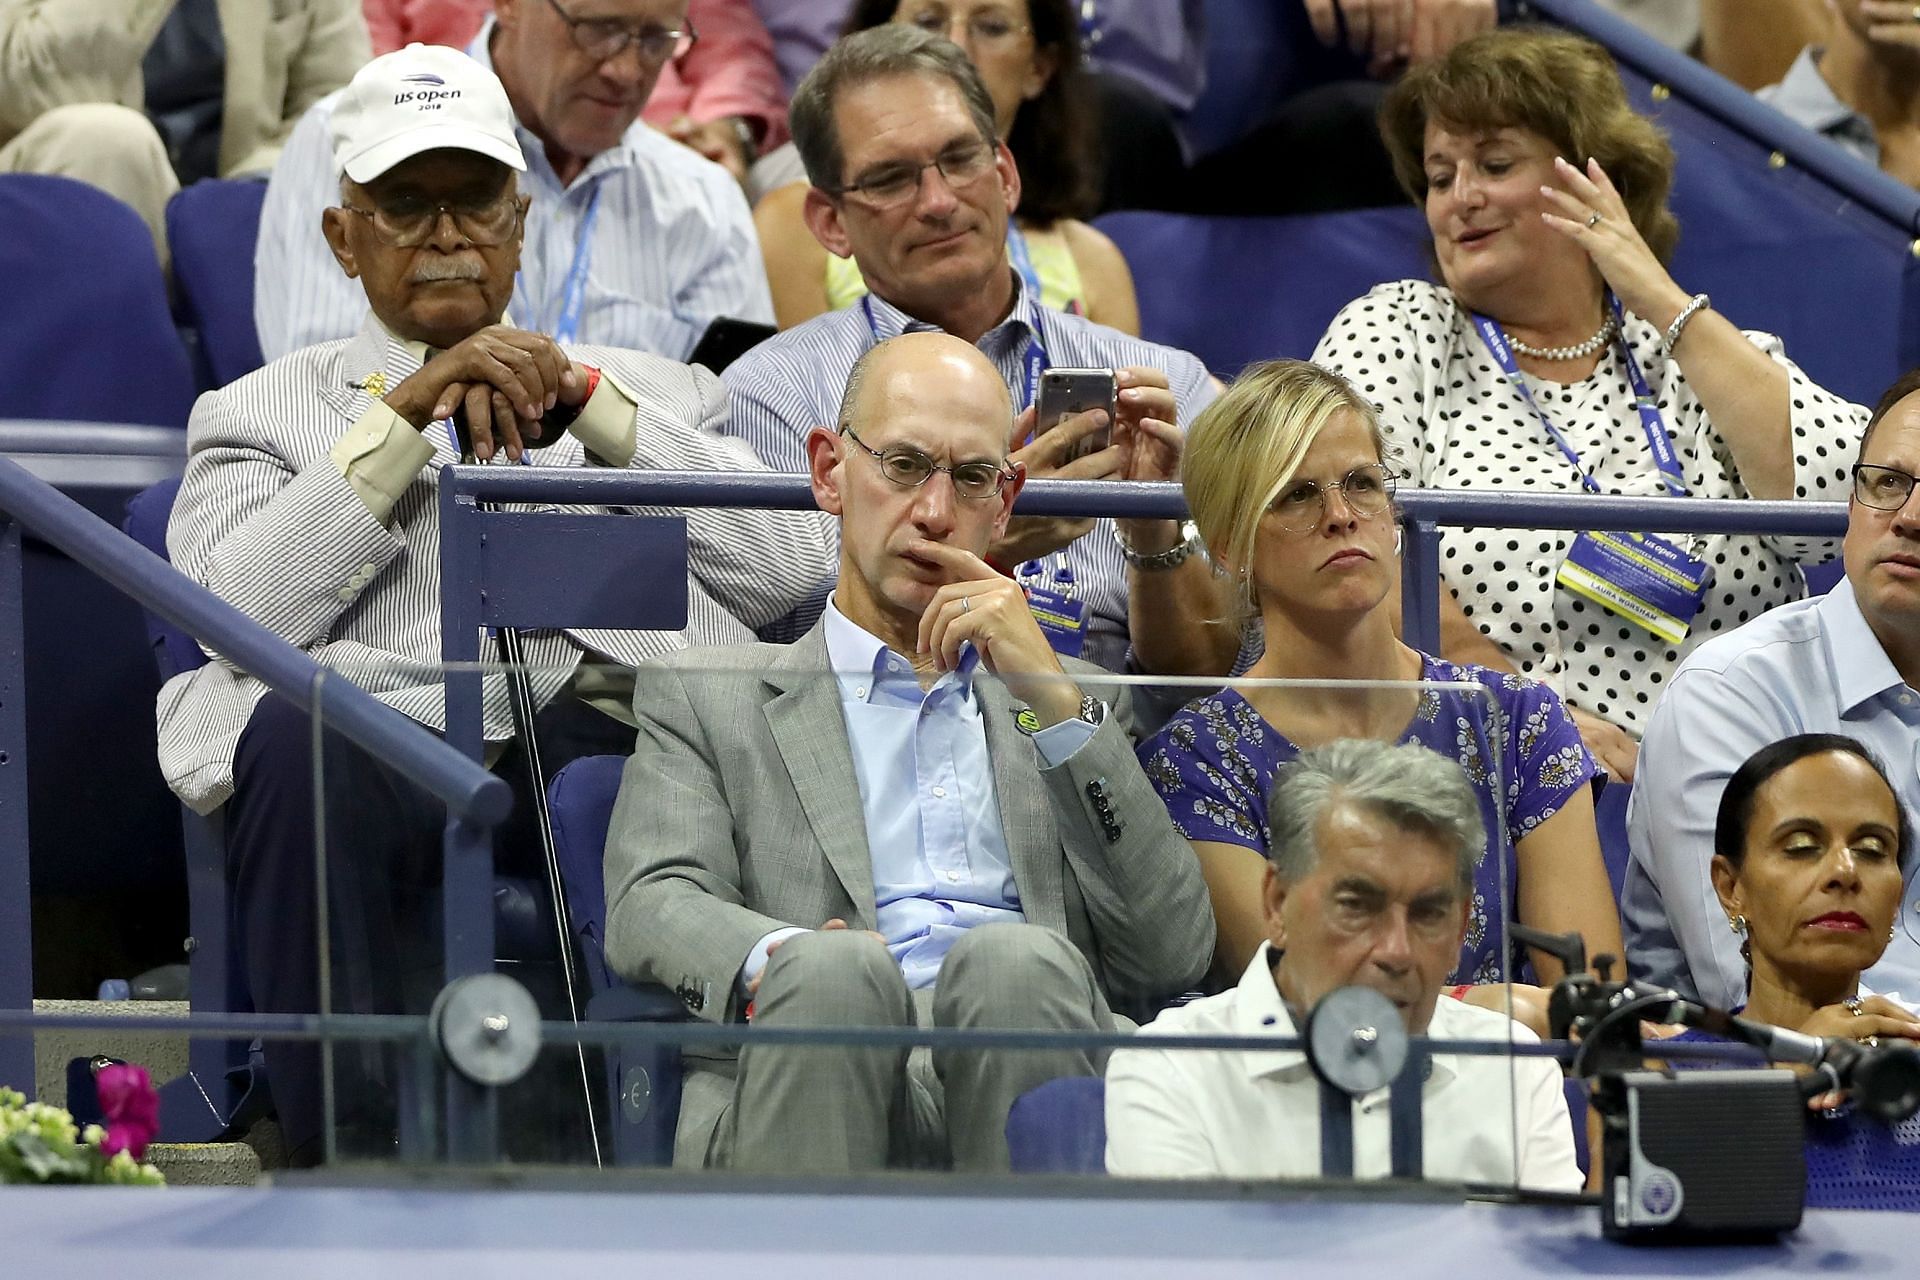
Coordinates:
131	1108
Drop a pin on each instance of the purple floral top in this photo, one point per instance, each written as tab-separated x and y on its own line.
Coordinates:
1215	760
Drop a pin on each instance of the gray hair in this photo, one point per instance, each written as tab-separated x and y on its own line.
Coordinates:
1413	788
890	49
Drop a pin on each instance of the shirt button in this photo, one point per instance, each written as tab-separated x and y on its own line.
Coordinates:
941	792
345	593
860	692
1906	699
953	877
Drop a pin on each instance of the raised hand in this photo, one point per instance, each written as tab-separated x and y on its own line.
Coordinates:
990	610
1593	216
1045	458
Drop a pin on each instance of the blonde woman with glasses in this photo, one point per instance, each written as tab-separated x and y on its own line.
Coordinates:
1288	483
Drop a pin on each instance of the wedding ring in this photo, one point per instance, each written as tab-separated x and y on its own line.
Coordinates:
1593	219
966	606
1853	1005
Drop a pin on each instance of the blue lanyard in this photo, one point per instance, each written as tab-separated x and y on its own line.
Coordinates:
1034	361
1651	422
566	328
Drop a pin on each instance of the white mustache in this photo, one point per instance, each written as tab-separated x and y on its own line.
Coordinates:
449	269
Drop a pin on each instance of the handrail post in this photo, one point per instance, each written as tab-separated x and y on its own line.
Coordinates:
16	902
472	1111
1420	585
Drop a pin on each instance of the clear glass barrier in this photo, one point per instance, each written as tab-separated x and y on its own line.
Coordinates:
746	815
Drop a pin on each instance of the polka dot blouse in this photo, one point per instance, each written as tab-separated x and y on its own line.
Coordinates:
1455	423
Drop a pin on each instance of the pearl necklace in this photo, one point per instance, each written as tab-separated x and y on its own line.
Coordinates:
1578	351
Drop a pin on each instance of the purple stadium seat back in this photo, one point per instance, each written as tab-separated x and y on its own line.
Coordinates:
211	229
146	523
95	340
1236	290
580	797
1059	1127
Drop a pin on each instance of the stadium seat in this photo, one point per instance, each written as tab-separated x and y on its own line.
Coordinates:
94	340
1059	1127
1271	285
211	229
644	1079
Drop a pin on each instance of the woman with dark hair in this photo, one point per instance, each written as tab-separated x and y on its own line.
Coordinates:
1557	354
1028	54
1809	849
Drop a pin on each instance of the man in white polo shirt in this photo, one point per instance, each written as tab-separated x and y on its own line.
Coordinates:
1374	847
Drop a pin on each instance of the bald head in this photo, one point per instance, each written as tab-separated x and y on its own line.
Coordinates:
923	419
920	365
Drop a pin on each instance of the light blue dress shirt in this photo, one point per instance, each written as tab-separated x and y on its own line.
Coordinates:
1813	666
672	244
939	854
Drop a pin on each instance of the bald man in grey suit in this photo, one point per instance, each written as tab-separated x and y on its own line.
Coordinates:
915	815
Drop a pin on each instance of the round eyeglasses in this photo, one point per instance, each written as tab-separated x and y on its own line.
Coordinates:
604	39
910	468
888	186
1301	506
407	222
1883	488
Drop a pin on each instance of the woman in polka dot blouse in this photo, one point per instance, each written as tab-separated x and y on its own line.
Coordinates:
1285	477
1546	197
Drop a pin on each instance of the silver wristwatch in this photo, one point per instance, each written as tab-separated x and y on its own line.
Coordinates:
1172	558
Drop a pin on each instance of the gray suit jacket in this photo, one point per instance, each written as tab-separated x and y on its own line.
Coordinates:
268	522
739	814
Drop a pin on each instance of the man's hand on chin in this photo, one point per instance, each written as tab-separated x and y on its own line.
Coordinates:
990	610
503	379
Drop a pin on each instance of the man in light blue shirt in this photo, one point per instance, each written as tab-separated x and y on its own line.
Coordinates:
632	240
917	814
897	133
1847	662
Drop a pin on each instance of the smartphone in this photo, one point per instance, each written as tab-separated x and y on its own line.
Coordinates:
1064	392
726	340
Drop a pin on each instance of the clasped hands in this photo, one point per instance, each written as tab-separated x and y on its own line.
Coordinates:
1145	446
505	380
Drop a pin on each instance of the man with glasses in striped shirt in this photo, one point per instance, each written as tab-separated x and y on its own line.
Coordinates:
631	240
896	130
310	502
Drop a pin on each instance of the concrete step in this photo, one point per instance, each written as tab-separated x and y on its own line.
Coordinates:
164	1056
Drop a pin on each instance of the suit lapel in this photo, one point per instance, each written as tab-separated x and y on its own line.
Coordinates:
811	734
1026	819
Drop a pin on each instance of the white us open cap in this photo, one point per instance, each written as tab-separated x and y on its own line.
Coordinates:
418	99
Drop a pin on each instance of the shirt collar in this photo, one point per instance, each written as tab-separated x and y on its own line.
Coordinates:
616	157
888	321
1861	669
861	661
1805	95
1258	1010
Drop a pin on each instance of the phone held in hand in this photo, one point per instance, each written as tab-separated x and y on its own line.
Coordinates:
1065	392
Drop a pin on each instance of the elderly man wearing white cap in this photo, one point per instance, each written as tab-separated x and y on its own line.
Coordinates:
633	239
309	502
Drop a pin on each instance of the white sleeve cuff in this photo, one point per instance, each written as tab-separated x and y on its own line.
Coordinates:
757	958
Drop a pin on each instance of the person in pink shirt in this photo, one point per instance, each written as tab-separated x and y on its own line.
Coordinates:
723	98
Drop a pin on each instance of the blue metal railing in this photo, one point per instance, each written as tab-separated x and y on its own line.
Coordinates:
475	798
1716	96
1423	511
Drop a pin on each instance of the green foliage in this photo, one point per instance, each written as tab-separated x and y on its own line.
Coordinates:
41	1145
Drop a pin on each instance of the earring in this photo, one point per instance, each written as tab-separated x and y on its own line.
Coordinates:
1738	924
1399	537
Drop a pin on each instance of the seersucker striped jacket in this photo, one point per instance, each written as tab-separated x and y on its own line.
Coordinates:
266	520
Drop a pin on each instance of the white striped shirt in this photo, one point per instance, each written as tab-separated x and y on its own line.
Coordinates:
672	244
792	382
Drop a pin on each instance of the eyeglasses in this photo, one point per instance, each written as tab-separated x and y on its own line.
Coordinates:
604	39
1881	488
1368	491
910	468
892	185
987	30
407	221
